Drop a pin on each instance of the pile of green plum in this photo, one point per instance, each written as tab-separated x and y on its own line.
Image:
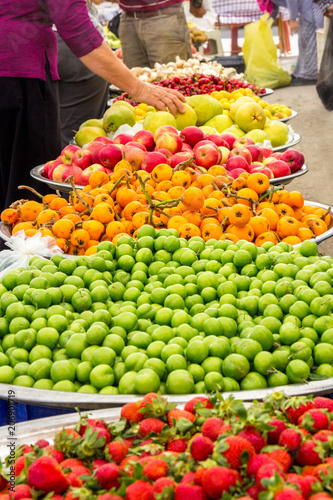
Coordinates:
166	314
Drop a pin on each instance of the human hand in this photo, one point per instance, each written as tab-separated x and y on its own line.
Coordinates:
160	97
329	12
200	12
294	27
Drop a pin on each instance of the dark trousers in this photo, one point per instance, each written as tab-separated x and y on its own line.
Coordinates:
29	133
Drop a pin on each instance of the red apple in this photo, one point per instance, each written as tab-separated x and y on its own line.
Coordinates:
87	172
276	155
279	168
122	139
52	167
170	141
164	128
110	155
96	151
146	138
241	152
67	154
217	139
104	140
237	162
207	155
166	153
186	147
202	143
58	171
256	152
191	135
242	141
295	159
91	146
134	144
179	158
152	159
267	152
236	172
225	154
82	158
134	156
229	138
255	164
74	171
263	170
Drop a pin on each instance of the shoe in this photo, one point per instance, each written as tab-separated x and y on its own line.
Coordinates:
297	82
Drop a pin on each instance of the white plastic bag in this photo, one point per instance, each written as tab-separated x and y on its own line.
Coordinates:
23	247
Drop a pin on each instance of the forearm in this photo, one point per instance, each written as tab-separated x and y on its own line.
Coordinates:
104	63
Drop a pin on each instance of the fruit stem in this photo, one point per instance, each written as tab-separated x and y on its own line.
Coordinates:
32	190
116	184
183	164
77	194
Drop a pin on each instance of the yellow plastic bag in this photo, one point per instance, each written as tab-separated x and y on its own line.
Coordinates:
260	56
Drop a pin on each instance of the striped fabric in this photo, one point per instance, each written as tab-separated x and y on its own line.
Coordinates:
237	11
323	4
146	5
307	63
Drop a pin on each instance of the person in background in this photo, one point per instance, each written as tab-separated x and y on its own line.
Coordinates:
83	95
326	6
29	99
305	19
153	31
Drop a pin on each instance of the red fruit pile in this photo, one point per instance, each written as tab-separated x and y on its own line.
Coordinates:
200	84
281	449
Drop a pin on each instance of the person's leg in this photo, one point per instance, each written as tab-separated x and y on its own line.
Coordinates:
133	49
166	37
29	133
307	65
83	95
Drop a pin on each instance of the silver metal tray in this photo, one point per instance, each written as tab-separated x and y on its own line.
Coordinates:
288	118
288	178
268	92
292	142
36	173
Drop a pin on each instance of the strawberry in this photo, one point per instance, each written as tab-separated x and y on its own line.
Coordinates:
323	470
150	425
255	462
282	457
315	420
179	445
140	490
290	439
19	465
233	447
322	435
98	462
71	462
253	436
212	428
198	401
267	471
308	485
80	470
4	496
296	406
254	491
108	476
155	469
310	453
288	494
190	478
324	403
186	491
177	414
46	474
153	405
130	411
109	496
201	448
164	487
3	483
116	451
54	453
102	432
274	434
320	496
22	491
216	480
42	443
74	481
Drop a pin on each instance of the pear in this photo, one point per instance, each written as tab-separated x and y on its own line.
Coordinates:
220	123
235	105
116	116
187	119
123	103
208	130
250	116
88	134
217	105
93	122
257	136
203	107
153	121
277	133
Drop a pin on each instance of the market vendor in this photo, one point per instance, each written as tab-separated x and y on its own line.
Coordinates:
153	31
29	106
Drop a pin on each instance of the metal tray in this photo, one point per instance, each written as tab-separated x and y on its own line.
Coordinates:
288	178
288	118
36	173
268	92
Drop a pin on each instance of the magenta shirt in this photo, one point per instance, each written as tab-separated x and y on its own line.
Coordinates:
146	5
27	36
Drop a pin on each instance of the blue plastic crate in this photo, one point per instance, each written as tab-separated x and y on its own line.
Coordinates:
24	412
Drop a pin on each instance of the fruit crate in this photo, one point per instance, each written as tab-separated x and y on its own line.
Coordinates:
234	61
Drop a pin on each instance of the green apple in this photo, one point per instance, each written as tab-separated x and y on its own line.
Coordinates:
203	108
153	121
217	105
220	123
257	135
187	119
235	105
250	116
277	133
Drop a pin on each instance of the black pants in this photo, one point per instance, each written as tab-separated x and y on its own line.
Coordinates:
83	95
29	133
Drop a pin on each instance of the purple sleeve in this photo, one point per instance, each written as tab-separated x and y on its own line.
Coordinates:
74	25
292	6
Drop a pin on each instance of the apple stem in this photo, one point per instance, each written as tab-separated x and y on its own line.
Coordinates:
32	190
77	194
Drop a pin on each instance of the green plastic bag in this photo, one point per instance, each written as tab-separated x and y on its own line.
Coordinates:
260	56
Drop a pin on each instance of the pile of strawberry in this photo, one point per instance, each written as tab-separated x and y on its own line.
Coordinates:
200	84
281	449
